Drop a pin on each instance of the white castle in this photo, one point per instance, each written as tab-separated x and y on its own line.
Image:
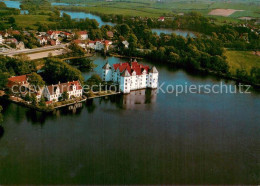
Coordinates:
131	76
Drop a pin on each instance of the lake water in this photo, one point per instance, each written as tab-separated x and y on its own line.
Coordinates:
12	4
183	33
141	138
83	15
15	4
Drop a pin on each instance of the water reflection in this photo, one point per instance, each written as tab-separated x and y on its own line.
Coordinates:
138	99
2	131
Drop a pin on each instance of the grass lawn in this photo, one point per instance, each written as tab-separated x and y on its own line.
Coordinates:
242	60
30	20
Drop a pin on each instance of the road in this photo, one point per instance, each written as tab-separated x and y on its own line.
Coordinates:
34	50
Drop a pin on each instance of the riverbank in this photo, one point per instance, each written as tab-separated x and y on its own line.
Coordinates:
226	76
57	105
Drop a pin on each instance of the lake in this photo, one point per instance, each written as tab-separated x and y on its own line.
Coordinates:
83	15
183	33
15	4
146	137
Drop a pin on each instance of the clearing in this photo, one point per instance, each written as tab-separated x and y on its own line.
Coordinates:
223	12
242	60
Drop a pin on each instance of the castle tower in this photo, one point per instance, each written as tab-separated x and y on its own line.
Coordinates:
153	78
125	82
106	72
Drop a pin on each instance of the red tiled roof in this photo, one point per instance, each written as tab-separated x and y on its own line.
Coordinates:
82	32
67	33
50	32
48	102
138	68
16	80
15	32
107	42
98	40
13	40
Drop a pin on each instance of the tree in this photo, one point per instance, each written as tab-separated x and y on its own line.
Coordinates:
11	20
27	97
76	49
3	79
65	95
60	70
123	29
36	80
86	64
1	116
2	5
42	102
95	79
34	100
174	58
132	42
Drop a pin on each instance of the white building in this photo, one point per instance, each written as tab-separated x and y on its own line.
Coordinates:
54	92
1	39
99	45
83	35
42	40
125	43
131	76
53	34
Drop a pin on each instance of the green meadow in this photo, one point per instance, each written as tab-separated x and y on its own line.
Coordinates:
242	60
151	8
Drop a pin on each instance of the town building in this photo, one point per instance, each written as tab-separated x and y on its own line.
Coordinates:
83	35
80	43
99	44
54	42
1	39
18	81
11	40
20	45
53	34
54	92
161	19
42	40
125	43
131	76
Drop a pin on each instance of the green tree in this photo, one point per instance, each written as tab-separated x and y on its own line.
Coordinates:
86	64
2	5
1	116
60	71
42	102
11	20
34	100
132	42
36	80
65	95
76	49
3	79
27	97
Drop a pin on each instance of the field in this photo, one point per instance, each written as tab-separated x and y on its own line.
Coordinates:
154	8
223	12
242	60
30	20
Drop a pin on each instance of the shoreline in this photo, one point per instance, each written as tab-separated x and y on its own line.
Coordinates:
209	72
